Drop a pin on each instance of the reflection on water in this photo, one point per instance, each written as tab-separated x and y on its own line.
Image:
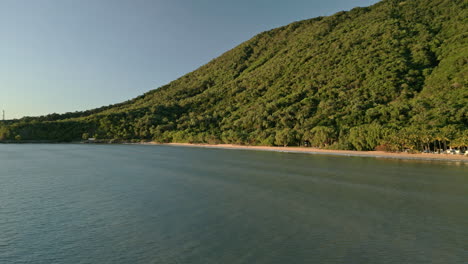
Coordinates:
161	204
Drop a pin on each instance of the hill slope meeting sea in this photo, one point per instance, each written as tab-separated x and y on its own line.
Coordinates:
391	77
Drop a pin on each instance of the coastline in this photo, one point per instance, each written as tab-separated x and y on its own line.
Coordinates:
308	150
304	150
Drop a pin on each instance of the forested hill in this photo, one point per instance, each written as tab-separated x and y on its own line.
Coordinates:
391	76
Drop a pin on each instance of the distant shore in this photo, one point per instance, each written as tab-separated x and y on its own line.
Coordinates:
308	150
305	150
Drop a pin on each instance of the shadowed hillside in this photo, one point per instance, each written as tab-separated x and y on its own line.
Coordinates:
391	76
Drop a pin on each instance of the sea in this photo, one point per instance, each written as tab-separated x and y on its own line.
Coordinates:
89	203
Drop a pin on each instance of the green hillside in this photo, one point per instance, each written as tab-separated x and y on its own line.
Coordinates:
391	76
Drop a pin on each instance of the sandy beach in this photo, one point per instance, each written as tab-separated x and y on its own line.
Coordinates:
308	150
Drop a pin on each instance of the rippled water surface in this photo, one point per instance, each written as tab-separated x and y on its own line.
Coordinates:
162	204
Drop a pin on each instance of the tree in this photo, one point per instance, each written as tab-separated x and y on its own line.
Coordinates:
4	133
366	137
285	137
320	136
448	134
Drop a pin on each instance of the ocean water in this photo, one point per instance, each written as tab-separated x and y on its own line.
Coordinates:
162	204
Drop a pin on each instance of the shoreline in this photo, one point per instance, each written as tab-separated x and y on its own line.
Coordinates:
316	151
301	150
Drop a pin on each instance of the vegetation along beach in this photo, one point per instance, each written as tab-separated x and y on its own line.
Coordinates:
352	153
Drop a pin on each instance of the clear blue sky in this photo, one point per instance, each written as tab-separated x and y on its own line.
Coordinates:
69	55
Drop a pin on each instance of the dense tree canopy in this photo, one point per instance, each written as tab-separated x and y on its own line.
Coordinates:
392	76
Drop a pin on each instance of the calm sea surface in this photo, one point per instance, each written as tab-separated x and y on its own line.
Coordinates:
162	204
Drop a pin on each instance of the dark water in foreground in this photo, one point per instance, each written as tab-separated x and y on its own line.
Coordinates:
161	204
